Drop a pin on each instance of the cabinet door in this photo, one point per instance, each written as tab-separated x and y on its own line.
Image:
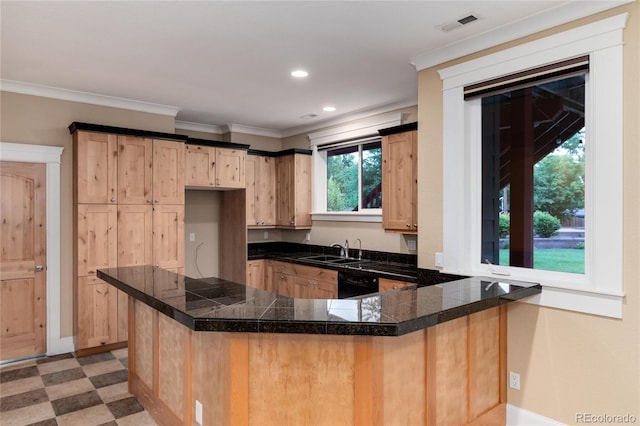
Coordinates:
97	313
168	236
97	165
200	166
261	191
252	183
285	197
399	182
304	288
135	241
284	284
135	170
230	168
266	191
255	274
168	172
302	189
97	238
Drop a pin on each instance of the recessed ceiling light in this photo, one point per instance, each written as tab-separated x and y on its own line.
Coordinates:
329	109
299	73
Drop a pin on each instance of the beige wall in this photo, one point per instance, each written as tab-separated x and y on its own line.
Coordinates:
569	362
35	120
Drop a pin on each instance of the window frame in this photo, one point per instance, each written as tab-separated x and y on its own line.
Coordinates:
600	290
361	130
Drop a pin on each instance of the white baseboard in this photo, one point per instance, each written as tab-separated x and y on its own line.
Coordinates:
517	416
62	345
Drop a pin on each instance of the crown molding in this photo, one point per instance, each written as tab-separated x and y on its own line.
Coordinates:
350	117
85	97
199	127
251	130
567	12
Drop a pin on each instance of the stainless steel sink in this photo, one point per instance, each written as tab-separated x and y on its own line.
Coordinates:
327	258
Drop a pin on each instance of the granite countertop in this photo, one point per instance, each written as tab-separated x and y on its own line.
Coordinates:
213	304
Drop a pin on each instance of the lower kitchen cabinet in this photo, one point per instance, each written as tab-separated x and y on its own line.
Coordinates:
385	284
255	273
97	313
300	281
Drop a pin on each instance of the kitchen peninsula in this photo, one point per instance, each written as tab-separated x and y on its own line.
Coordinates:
212	351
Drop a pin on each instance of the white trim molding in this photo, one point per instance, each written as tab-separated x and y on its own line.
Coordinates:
198	127
51	156
86	97
251	130
517	416
348	217
562	14
600	289
360	129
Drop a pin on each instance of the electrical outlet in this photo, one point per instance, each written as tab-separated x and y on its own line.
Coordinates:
192	236
198	412
266	235
411	245
439	259
308	237
514	380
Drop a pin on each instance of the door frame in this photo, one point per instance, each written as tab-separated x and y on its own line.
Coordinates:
51	156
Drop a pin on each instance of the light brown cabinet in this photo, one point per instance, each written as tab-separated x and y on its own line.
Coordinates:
261	191
300	281
293	191
385	284
129	197
255	273
215	167
400	182
96	159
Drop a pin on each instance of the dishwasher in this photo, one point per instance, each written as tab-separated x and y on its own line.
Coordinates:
351	284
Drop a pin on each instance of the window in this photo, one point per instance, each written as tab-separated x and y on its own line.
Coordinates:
533	177
599	289
347	170
354	177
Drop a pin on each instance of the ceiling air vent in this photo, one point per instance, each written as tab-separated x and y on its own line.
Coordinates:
450	26
309	116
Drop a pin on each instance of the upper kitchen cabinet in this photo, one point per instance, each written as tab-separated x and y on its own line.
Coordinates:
168	172
400	178
221	167
261	191
135	170
293	190
96	157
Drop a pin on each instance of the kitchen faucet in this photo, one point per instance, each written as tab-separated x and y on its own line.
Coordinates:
359	248
346	248
341	249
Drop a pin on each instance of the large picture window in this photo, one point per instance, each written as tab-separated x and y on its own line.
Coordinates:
533	176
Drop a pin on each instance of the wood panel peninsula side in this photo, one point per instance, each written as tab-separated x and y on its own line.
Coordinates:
415	355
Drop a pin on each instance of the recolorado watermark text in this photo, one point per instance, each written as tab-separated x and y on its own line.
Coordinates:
605	418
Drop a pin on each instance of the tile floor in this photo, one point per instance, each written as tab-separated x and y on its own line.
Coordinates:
64	390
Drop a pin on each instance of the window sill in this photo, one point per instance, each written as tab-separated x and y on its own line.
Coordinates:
347	217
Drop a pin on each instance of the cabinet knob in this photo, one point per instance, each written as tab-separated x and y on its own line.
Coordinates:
408	226
415	225
149	200
257	222
156	201
113	200
292	222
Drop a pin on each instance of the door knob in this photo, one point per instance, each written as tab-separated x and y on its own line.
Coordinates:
39	268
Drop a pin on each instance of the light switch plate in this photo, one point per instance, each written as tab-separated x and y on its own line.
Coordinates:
198	412
439	259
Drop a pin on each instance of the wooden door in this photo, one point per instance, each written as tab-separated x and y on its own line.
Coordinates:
200	166
23	260
97	167
135	242
399	182
230	168
97	238
168	172
168	236
135	170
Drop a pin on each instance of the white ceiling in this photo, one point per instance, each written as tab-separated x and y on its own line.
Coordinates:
223	63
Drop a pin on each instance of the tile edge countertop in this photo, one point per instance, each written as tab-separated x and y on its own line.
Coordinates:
214	304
